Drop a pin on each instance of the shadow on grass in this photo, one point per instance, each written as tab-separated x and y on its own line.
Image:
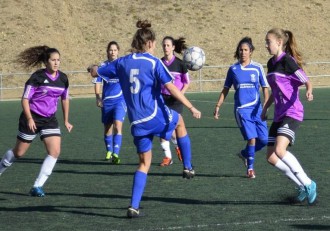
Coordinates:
64	209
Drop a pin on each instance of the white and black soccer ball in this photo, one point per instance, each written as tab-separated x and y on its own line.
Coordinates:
194	58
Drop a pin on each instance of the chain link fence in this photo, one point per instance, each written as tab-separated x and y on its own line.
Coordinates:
208	79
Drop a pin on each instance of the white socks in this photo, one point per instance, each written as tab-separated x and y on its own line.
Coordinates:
166	148
45	171
287	171
291	161
7	160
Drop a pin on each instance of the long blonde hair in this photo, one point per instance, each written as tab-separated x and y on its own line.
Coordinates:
289	43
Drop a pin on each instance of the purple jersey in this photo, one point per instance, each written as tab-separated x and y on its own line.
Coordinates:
285	77
179	72
42	90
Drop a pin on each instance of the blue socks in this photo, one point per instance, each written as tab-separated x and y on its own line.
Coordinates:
108	143
117	143
139	183
185	148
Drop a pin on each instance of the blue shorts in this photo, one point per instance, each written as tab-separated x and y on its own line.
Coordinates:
112	112
251	125
159	126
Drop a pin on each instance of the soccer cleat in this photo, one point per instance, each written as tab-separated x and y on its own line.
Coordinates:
37	192
251	174
166	162
132	212
178	153
311	192
242	158
115	159
108	155
188	173
301	194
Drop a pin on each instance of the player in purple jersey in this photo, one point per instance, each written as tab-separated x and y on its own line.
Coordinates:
113	108
285	76
141	76
181	80
247	77
39	102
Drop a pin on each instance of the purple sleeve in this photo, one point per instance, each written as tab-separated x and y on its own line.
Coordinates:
28	92
65	94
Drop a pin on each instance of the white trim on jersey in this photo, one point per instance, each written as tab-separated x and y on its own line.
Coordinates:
113	96
250	104
146	118
27	91
299	73
263	75
142	57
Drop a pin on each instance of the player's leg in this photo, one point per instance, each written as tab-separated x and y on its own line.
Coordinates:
119	114
24	139
107	121
143	145
53	148
185	147
167	160
12	154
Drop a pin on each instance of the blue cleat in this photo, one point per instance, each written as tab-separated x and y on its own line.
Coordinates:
37	192
301	194
311	192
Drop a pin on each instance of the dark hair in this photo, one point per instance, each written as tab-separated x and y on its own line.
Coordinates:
110	44
246	40
142	36
180	43
35	56
289	43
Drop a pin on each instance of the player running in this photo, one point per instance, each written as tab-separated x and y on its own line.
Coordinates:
285	76
247	77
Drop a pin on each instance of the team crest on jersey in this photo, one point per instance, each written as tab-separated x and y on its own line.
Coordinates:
253	78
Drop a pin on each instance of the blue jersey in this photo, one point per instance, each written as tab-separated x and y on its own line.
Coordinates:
141	76
111	92
247	81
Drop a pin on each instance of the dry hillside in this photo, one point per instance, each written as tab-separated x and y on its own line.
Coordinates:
81	29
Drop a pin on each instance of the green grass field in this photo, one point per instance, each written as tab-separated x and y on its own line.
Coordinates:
86	193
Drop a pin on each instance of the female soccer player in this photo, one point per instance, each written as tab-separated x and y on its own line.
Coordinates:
113	108
141	75
181	81
285	76
39	102
247	76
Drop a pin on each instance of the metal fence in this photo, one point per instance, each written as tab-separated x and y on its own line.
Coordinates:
208	79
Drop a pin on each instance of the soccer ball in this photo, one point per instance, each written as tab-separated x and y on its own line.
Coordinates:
194	58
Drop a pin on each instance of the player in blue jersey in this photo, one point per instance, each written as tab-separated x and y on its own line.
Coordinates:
285	76
39	102
247	77
141	76
113	108
181	80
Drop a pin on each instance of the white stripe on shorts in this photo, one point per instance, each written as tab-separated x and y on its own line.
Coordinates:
26	136
55	131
